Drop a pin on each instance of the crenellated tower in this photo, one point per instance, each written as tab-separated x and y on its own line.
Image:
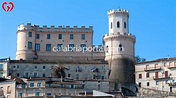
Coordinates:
119	44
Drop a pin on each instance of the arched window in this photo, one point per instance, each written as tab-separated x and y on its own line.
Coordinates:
111	25
120	47
124	24
118	24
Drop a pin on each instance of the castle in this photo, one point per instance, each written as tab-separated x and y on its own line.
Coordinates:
109	67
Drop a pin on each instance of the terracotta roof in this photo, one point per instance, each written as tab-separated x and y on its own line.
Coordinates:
158	60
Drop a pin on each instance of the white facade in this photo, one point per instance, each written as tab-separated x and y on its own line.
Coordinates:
158	74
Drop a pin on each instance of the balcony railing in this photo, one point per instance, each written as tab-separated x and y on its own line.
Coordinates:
152	68
8	91
172	66
161	77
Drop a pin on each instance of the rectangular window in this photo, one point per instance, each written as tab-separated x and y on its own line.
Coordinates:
140	76
31	84
23	85
60	36
147	75
139	84
157	82
148	84
26	74
39	84
35	74
71	47
83	36
29	34
71	36
1	66
29	45
20	95
83	47
68	75
48	36
37	93
59	46
43	75
48	47
43	67
37	36
37	47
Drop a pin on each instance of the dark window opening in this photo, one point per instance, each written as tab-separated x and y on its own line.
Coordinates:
118	24
124	24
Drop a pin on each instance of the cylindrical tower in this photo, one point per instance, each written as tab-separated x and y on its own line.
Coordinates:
25	42
119	44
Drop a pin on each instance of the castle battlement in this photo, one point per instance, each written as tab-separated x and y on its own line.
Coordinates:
118	11
53	28
120	34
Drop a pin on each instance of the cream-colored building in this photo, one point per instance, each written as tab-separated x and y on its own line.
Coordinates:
56	43
77	70
4	66
157	74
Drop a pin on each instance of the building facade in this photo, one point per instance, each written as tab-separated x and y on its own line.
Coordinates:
56	43
157	74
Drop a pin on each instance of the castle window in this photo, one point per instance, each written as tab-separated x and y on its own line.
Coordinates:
29	45
118	24
60	36
37	36
120	47
59	46
29	34
111	25
83	36
48	47
71	47
124	24
48	36
107	49
37	47
71	36
83	47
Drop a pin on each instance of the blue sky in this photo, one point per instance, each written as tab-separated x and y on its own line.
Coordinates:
153	22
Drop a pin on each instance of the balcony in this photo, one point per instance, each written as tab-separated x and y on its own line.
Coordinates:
172	66
161	77
152	68
8	91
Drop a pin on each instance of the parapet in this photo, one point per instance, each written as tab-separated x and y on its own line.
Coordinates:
52	28
118	11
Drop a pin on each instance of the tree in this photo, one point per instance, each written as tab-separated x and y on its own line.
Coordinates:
139	59
59	71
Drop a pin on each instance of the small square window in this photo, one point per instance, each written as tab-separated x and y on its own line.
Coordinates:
71	36
29	45
83	36
60	36
48	47
31	84
37	36
29	34
48	36
140	76
148	84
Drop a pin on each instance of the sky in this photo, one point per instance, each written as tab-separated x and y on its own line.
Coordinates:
153	22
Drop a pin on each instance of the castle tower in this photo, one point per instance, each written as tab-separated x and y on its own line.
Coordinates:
119	44
25	42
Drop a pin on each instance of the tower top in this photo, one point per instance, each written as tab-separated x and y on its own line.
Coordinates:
118	11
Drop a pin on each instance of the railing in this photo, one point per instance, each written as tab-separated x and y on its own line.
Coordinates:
152	68
172	66
161	77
